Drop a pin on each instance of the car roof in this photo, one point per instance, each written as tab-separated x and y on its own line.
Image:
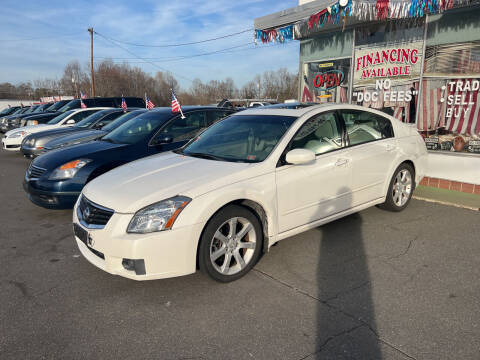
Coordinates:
302	111
189	108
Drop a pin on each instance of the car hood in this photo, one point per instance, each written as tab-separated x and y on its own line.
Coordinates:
140	183
55	131
55	158
76	138
29	129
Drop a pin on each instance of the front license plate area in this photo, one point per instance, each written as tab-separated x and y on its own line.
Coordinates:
81	233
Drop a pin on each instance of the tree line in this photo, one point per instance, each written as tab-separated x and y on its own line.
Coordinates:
113	79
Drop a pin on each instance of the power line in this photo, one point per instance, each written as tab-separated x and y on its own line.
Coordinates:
178	58
181	44
139	57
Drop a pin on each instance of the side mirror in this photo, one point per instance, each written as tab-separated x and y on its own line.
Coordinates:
70	122
163	140
300	156
99	125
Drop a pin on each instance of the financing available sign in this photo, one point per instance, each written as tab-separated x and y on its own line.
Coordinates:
399	61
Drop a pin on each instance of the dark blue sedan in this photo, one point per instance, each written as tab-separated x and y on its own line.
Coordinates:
55	179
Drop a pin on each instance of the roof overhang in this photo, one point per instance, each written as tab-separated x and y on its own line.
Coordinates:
290	16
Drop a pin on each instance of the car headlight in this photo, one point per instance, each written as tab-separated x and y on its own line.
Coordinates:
17	134
68	170
159	216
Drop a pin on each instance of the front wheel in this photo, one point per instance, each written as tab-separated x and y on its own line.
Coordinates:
401	188
231	244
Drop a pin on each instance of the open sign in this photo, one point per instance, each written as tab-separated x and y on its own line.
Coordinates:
328	80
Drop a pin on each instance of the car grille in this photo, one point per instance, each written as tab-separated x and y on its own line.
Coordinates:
35	171
93	214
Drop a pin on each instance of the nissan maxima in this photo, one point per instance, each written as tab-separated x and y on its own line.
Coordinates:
246	182
55	179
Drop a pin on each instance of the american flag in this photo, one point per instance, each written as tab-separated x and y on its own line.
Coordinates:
149	103
124	104
82	105
82	95
175	104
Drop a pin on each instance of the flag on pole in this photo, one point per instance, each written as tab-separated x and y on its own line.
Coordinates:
124	104
82	95
176	105
82	104
148	103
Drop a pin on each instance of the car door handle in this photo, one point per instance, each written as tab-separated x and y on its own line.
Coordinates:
390	147
341	162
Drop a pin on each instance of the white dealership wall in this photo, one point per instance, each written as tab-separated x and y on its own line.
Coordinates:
462	168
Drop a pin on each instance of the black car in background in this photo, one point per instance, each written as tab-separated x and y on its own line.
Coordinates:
55	179
80	137
18	119
14	118
131	101
8	111
33	144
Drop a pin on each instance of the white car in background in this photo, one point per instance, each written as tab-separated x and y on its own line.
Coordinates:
13	138
246	182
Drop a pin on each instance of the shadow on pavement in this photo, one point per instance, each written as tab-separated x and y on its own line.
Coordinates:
342	269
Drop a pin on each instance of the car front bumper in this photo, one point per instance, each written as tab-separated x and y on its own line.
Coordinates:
161	254
49	199
12	144
31	152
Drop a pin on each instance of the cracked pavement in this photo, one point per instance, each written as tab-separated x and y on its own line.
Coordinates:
374	285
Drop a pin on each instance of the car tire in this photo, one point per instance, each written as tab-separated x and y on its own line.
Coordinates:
231	244
401	188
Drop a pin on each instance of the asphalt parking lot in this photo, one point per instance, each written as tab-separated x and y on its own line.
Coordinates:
374	285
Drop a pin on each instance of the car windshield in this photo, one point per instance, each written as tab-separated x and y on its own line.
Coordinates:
56	106
138	129
40	108
30	110
240	138
8	111
89	120
121	120
60	117
74	104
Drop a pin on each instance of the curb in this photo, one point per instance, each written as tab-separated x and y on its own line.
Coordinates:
446	203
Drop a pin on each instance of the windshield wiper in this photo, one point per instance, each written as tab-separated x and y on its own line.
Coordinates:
204	156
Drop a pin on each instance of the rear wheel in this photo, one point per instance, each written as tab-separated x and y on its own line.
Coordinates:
231	244
401	188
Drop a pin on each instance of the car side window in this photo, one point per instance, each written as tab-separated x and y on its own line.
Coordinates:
109	118
321	134
184	129
216	115
81	115
364	126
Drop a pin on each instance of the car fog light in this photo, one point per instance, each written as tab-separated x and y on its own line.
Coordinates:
134	265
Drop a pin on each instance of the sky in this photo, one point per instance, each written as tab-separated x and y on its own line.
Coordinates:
38	38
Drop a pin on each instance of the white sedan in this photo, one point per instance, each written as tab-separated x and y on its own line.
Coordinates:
248	181
13	138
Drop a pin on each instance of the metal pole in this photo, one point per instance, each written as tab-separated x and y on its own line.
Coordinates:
90	30
420	85
352	69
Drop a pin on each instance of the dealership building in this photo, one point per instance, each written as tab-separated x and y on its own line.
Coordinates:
418	60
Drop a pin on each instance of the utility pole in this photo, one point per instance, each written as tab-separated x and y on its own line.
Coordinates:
90	30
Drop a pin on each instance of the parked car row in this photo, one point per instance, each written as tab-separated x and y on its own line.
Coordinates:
157	194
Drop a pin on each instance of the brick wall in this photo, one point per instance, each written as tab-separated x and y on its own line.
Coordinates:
451	185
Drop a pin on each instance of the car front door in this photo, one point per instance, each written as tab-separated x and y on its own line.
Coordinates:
373	150
309	192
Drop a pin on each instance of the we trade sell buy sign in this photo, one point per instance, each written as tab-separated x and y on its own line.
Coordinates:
400	61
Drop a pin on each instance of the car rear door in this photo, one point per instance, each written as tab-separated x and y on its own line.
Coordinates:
373	150
309	192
